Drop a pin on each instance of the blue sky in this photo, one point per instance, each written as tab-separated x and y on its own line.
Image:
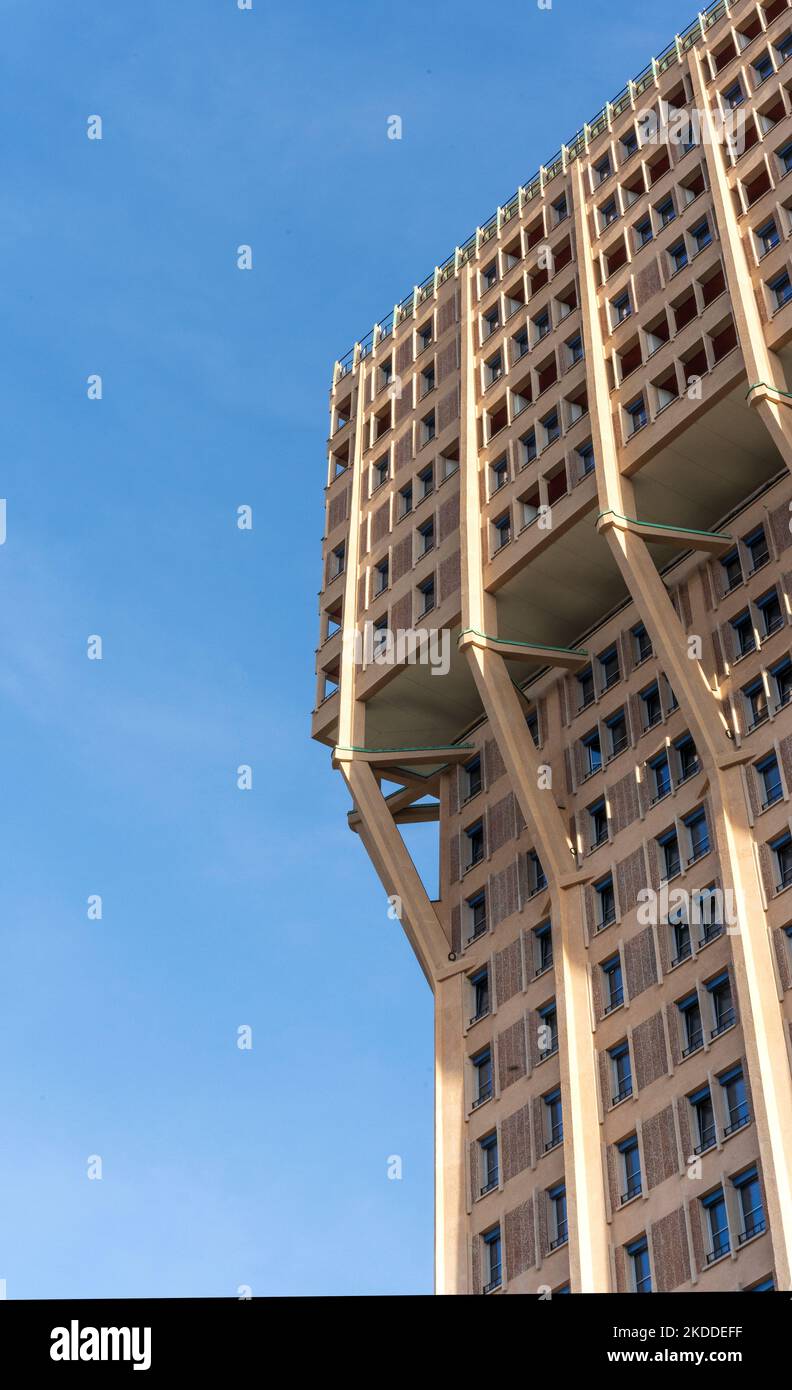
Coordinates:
221	908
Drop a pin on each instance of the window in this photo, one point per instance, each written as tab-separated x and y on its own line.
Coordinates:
749	1194
592	753
629	142
338	561
500	474
558	1214
477	915
690	1017
680	928
475	844
734	96
640	1272
585	680
406	500
489	275
756	545
666	211
426	481
427	595
614	988
561	210
502	530
489	1163
427	380
492	1262
770	609
605	902
704	1120
575	349
636	411
621	307
764	1286
670	863
763	67
551	427
521	343
536	875
609	668
617	733
780	287
542	326
491	321
785	156
428	427
379	473
543	947
548	1031
701	234
381	577
598	823
767	236
426	537
532	722
756	701
651	709
471	774
609	212
735	1100
631	1168
386	373
661	776
782	854
716	1224
554	1123
603	169
769	775
782	676
744	638
687	756
732	572
642	645
424	335
698	835
479	984
784	48
482	1071
586	456
720	994
677	254
528	444
493	369
621	1072
643	232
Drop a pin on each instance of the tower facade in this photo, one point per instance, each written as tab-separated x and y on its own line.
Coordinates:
556	618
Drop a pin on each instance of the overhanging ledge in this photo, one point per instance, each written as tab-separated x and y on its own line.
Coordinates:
713	541
569	658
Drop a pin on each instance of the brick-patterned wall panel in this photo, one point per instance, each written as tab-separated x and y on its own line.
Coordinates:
401	558
620	1261
623	800
603	1062
683	1117
404	354
781	943
338	510
779	528
453	859
380	523
516	1142
403	451
694	1212
672	1016
532	1025
475	1262
508	972
670	1251
614	1186
448	517
647	283
447	409
401	614
364	545
503	894
650	1058
660	1147
450	576
475	1183
446	313
785	749
596	992
640	965
630	879
447	360
404	401
767	870
654	864
541	1212
494	766
519	1239
456	928
501	823
361	593
511	1055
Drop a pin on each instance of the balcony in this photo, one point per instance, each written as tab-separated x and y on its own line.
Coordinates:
491	1183
495	1280
726	1022
738	1119
623	1094
709	1139
695	1041
634	1190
